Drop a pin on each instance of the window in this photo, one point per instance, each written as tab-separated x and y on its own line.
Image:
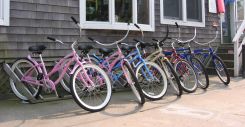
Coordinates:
185	12
4	12
115	14
97	11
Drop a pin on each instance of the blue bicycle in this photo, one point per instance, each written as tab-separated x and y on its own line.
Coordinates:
199	68
187	54
204	55
220	67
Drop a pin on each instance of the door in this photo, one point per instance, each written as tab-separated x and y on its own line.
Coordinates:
226	25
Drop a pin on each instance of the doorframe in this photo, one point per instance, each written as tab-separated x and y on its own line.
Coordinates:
234	17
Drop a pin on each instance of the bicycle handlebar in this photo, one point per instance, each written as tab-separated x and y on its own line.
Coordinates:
177	25
55	40
74	20
142	32
114	43
136	25
51	38
155	40
216	35
186	41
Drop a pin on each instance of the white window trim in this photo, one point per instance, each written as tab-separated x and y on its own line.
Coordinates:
6	9
184	21
111	24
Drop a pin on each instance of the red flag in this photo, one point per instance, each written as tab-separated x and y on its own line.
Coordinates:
220	6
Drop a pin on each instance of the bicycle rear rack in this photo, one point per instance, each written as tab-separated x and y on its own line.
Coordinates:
27	91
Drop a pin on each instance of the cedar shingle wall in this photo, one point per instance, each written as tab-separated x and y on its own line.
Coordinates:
32	20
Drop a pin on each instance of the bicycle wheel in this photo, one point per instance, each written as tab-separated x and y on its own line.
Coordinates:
92	97
221	70
65	82
20	67
187	75
172	77
135	86
202	75
152	80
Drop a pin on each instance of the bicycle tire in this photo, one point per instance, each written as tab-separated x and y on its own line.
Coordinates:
205	85
76	95
184	84
225	70
179	90
148	88
136	86
14	88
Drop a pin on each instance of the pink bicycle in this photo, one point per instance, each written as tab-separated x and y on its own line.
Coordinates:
89	84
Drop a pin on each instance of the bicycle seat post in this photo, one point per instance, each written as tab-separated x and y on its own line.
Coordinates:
43	65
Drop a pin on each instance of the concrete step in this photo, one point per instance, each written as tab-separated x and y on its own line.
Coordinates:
211	71
228	63
226	56
225	50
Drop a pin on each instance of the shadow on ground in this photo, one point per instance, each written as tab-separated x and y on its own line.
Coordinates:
122	103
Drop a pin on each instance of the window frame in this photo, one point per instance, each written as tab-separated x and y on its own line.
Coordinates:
184	21
6	9
111	24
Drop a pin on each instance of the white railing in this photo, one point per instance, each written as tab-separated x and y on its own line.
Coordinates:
238	48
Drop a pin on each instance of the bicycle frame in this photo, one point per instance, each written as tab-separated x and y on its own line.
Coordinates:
136	55
155	55
210	53
174	57
70	58
118	60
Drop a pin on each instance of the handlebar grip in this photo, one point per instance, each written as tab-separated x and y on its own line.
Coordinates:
177	25
155	39
136	25
51	38
136	40
74	20
90	38
169	38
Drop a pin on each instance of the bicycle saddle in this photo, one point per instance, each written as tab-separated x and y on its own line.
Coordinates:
167	53
105	51
37	49
143	44
85	48
128	48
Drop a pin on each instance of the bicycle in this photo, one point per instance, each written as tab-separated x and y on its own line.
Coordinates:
151	77
209	53
119	68
159	58
187	54
86	80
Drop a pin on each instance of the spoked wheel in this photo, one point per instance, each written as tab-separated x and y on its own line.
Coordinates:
20	68
134	84
94	96
202	75
172	77
187	76
152	80
221	70
65	82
